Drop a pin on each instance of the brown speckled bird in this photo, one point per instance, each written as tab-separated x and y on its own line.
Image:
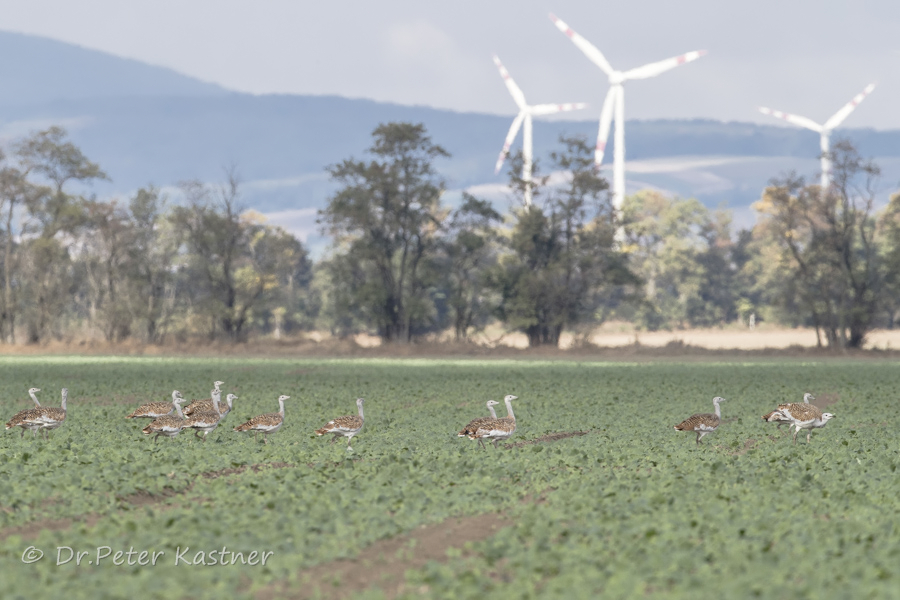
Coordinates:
346	426
49	417
704	423
474	423
167	425
154	410
19	419
205	421
497	429
804	416
267	423
776	415
206	404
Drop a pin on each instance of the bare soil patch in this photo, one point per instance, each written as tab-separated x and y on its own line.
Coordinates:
550	437
384	563
139	499
749	443
255	468
826	400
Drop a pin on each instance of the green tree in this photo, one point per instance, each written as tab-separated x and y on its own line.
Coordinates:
52	214
827	245
683	254
385	221
232	258
563	267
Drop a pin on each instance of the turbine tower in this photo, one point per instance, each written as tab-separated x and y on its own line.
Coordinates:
615	101
525	114
825	130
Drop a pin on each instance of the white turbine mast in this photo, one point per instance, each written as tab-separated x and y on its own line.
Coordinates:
615	101
825	130
524	116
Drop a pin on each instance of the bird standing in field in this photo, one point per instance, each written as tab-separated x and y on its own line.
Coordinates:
207	404
474	423
19	419
47	417
346	426
267	423
776	416
205	421
154	410
804	416
167	425
497	429
704	423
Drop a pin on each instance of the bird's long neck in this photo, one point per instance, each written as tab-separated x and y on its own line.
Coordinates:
718	409
65	396
509	410
215	399
493	412
281	407
361	412
33	397
230	400
177	404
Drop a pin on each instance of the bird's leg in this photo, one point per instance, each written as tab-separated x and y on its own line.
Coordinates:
795	434
699	435
495	442
23	433
808	436
266	439
481	441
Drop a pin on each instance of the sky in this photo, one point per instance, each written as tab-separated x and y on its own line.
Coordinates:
803	57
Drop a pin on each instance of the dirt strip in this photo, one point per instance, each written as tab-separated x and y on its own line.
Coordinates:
384	563
30	531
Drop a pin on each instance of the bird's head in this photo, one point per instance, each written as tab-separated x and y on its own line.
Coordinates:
34	390
510	398
492	403
807	397
827	417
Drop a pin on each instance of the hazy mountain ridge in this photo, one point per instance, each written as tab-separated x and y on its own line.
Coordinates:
147	124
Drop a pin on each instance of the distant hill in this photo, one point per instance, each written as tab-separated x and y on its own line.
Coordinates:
147	124
37	69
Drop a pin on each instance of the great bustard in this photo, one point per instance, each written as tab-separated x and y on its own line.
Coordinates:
267	424
49	417
497	429
777	417
167	425
154	410
347	426
703	423
804	416
205	421
474	423
19	419
207	404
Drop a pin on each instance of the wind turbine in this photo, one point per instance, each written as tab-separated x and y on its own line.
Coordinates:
824	131
615	101
525	114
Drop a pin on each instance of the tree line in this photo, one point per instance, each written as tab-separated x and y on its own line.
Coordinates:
404	263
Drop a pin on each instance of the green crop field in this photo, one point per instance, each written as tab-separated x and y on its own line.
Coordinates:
628	508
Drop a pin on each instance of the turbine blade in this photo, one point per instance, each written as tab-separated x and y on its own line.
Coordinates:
585	46
606	115
513	130
848	108
796	120
514	90
549	109
654	69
